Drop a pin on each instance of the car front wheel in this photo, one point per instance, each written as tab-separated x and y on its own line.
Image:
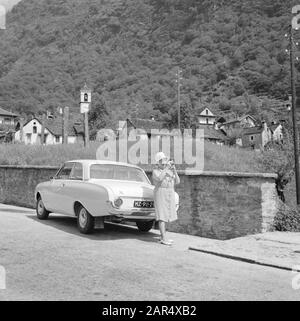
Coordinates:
85	221
41	211
144	226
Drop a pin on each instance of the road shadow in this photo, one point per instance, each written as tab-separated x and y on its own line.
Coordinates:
112	231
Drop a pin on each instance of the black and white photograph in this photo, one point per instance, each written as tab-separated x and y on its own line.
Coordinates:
149	154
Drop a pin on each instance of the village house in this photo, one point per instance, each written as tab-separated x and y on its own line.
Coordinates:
247	132
53	132
277	132
7	118
208	122
245	121
256	137
244	134
144	128
244	131
213	135
206	117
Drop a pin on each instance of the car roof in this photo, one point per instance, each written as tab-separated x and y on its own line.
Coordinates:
100	162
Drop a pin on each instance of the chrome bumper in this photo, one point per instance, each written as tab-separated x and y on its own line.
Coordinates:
133	214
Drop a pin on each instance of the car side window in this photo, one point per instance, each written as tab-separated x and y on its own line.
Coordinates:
77	172
65	171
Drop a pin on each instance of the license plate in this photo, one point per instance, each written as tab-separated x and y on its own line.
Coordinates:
144	204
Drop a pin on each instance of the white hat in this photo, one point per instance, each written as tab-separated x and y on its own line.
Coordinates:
159	156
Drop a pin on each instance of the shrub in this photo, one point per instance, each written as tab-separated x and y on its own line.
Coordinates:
287	219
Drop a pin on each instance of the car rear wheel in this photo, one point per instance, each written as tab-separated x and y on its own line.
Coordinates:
85	221
144	226
41	211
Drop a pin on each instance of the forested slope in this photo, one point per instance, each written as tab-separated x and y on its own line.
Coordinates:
231	53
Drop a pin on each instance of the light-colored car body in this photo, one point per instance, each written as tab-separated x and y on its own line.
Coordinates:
95	185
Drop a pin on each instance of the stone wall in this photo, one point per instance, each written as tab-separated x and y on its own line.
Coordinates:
212	204
17	183
226	205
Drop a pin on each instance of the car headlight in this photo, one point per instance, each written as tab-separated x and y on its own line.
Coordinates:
118	202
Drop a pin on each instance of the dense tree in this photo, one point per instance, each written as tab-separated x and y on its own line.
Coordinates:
129	51
98	118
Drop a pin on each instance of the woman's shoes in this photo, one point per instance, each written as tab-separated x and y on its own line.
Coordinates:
165	242
169	241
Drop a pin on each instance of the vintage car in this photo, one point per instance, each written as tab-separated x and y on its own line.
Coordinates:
95	191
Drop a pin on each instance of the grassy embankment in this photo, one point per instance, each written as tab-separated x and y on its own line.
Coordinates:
217	158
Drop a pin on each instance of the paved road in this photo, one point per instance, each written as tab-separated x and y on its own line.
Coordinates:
51	261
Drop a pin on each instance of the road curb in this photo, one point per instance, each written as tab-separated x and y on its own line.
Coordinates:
245	259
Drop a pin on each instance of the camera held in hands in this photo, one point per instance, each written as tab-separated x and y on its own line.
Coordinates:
171	163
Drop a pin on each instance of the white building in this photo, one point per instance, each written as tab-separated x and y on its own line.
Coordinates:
277	134
206	117
53	133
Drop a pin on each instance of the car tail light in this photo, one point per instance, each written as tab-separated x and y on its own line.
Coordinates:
118	202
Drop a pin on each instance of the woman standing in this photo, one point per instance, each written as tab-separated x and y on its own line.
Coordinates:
165	177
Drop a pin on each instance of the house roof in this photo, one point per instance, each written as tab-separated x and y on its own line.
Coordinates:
145	124
55	126
210	115
238	119
232	121
4	112
252	130
273	127
212	133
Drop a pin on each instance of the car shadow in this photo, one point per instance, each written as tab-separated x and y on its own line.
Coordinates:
112	231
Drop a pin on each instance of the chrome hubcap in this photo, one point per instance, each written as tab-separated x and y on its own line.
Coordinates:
82	217
40	207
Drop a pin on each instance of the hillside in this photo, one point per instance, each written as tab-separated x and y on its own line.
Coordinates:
231	53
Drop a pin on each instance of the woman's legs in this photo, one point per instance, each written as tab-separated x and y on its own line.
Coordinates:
162	228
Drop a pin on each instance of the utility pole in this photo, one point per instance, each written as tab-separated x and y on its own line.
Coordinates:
178	81
43	129
86	130
21	122
294	114
65	125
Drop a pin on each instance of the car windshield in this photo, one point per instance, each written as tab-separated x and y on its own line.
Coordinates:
117	172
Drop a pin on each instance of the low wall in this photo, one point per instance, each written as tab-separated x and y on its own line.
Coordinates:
212	204
226	205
